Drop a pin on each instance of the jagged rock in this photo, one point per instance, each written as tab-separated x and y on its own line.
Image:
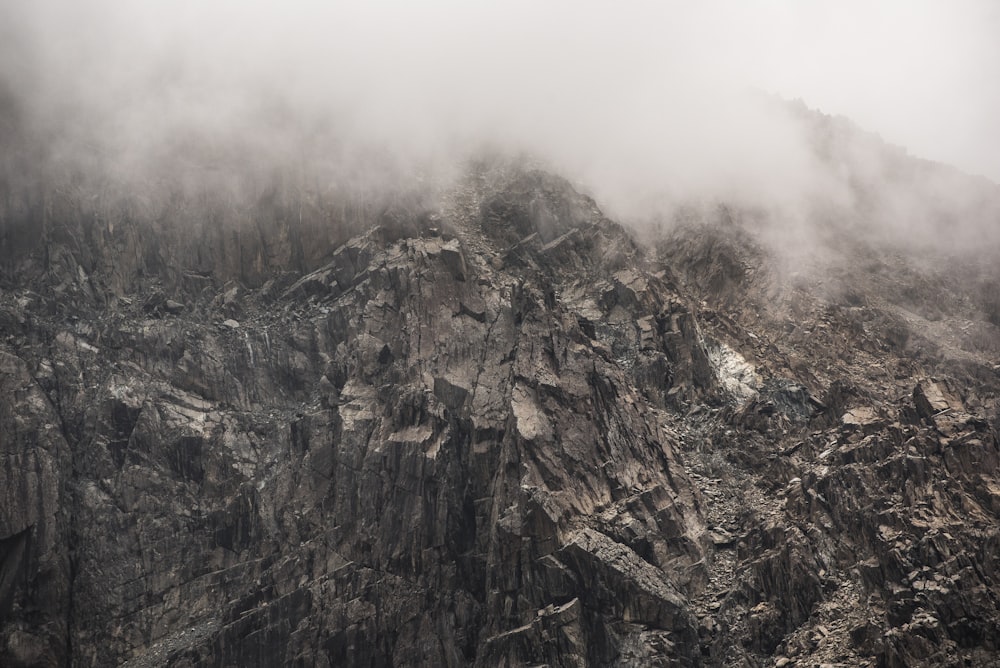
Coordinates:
451	395
931	400
863	418
35	509
454	260
499	434
173	307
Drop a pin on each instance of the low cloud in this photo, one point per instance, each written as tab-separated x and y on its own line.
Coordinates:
645	105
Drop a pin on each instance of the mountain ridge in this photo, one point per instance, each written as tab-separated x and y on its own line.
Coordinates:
486	426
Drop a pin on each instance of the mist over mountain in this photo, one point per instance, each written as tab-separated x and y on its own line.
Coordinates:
499	335
647	109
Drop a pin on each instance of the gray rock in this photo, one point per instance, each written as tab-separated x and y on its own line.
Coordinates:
506	444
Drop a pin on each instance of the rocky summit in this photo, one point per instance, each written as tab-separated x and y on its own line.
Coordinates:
483	425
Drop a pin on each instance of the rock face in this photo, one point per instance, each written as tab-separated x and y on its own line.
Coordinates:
489	431
34	560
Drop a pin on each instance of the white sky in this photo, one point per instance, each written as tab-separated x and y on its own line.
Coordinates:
600	84
924	74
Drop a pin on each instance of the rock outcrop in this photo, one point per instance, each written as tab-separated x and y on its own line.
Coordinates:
488	431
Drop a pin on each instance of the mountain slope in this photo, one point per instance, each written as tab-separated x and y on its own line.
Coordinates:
484	426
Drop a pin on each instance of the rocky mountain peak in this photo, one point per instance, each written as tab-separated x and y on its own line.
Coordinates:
482	425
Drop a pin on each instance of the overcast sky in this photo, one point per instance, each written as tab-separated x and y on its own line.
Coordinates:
613	90
924	74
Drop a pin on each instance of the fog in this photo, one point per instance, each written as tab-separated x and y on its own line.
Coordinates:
643	104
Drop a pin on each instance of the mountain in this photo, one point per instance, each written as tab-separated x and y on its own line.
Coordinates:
477	422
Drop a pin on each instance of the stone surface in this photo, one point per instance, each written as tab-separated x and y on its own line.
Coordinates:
498	433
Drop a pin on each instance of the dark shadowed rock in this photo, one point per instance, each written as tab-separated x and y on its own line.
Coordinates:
488	429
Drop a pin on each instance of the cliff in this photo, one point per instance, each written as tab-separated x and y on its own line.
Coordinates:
482	425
